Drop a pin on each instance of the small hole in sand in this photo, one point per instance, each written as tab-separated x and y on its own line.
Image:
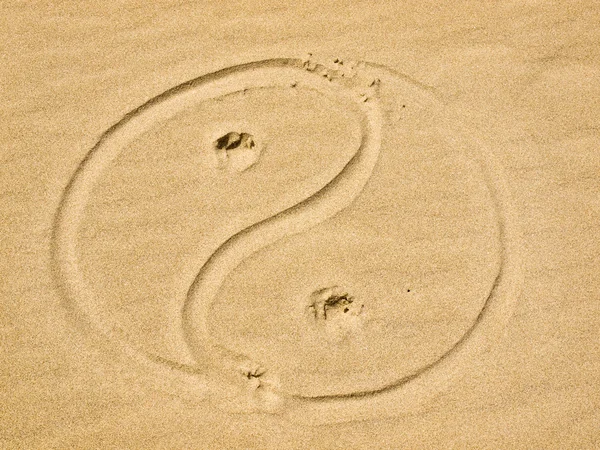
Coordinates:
233	140
236	151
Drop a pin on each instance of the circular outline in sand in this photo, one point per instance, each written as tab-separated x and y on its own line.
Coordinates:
398	397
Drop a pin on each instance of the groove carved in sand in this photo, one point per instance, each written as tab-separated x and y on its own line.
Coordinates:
240	383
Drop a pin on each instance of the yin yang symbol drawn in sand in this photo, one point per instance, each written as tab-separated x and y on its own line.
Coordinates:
232	378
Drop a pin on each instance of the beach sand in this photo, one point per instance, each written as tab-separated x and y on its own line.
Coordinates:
304	225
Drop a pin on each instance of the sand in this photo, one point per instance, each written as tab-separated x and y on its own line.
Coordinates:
242	225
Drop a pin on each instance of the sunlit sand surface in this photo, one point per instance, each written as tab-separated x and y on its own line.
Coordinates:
301	226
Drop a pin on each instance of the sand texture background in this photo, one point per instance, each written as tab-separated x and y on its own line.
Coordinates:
397	246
